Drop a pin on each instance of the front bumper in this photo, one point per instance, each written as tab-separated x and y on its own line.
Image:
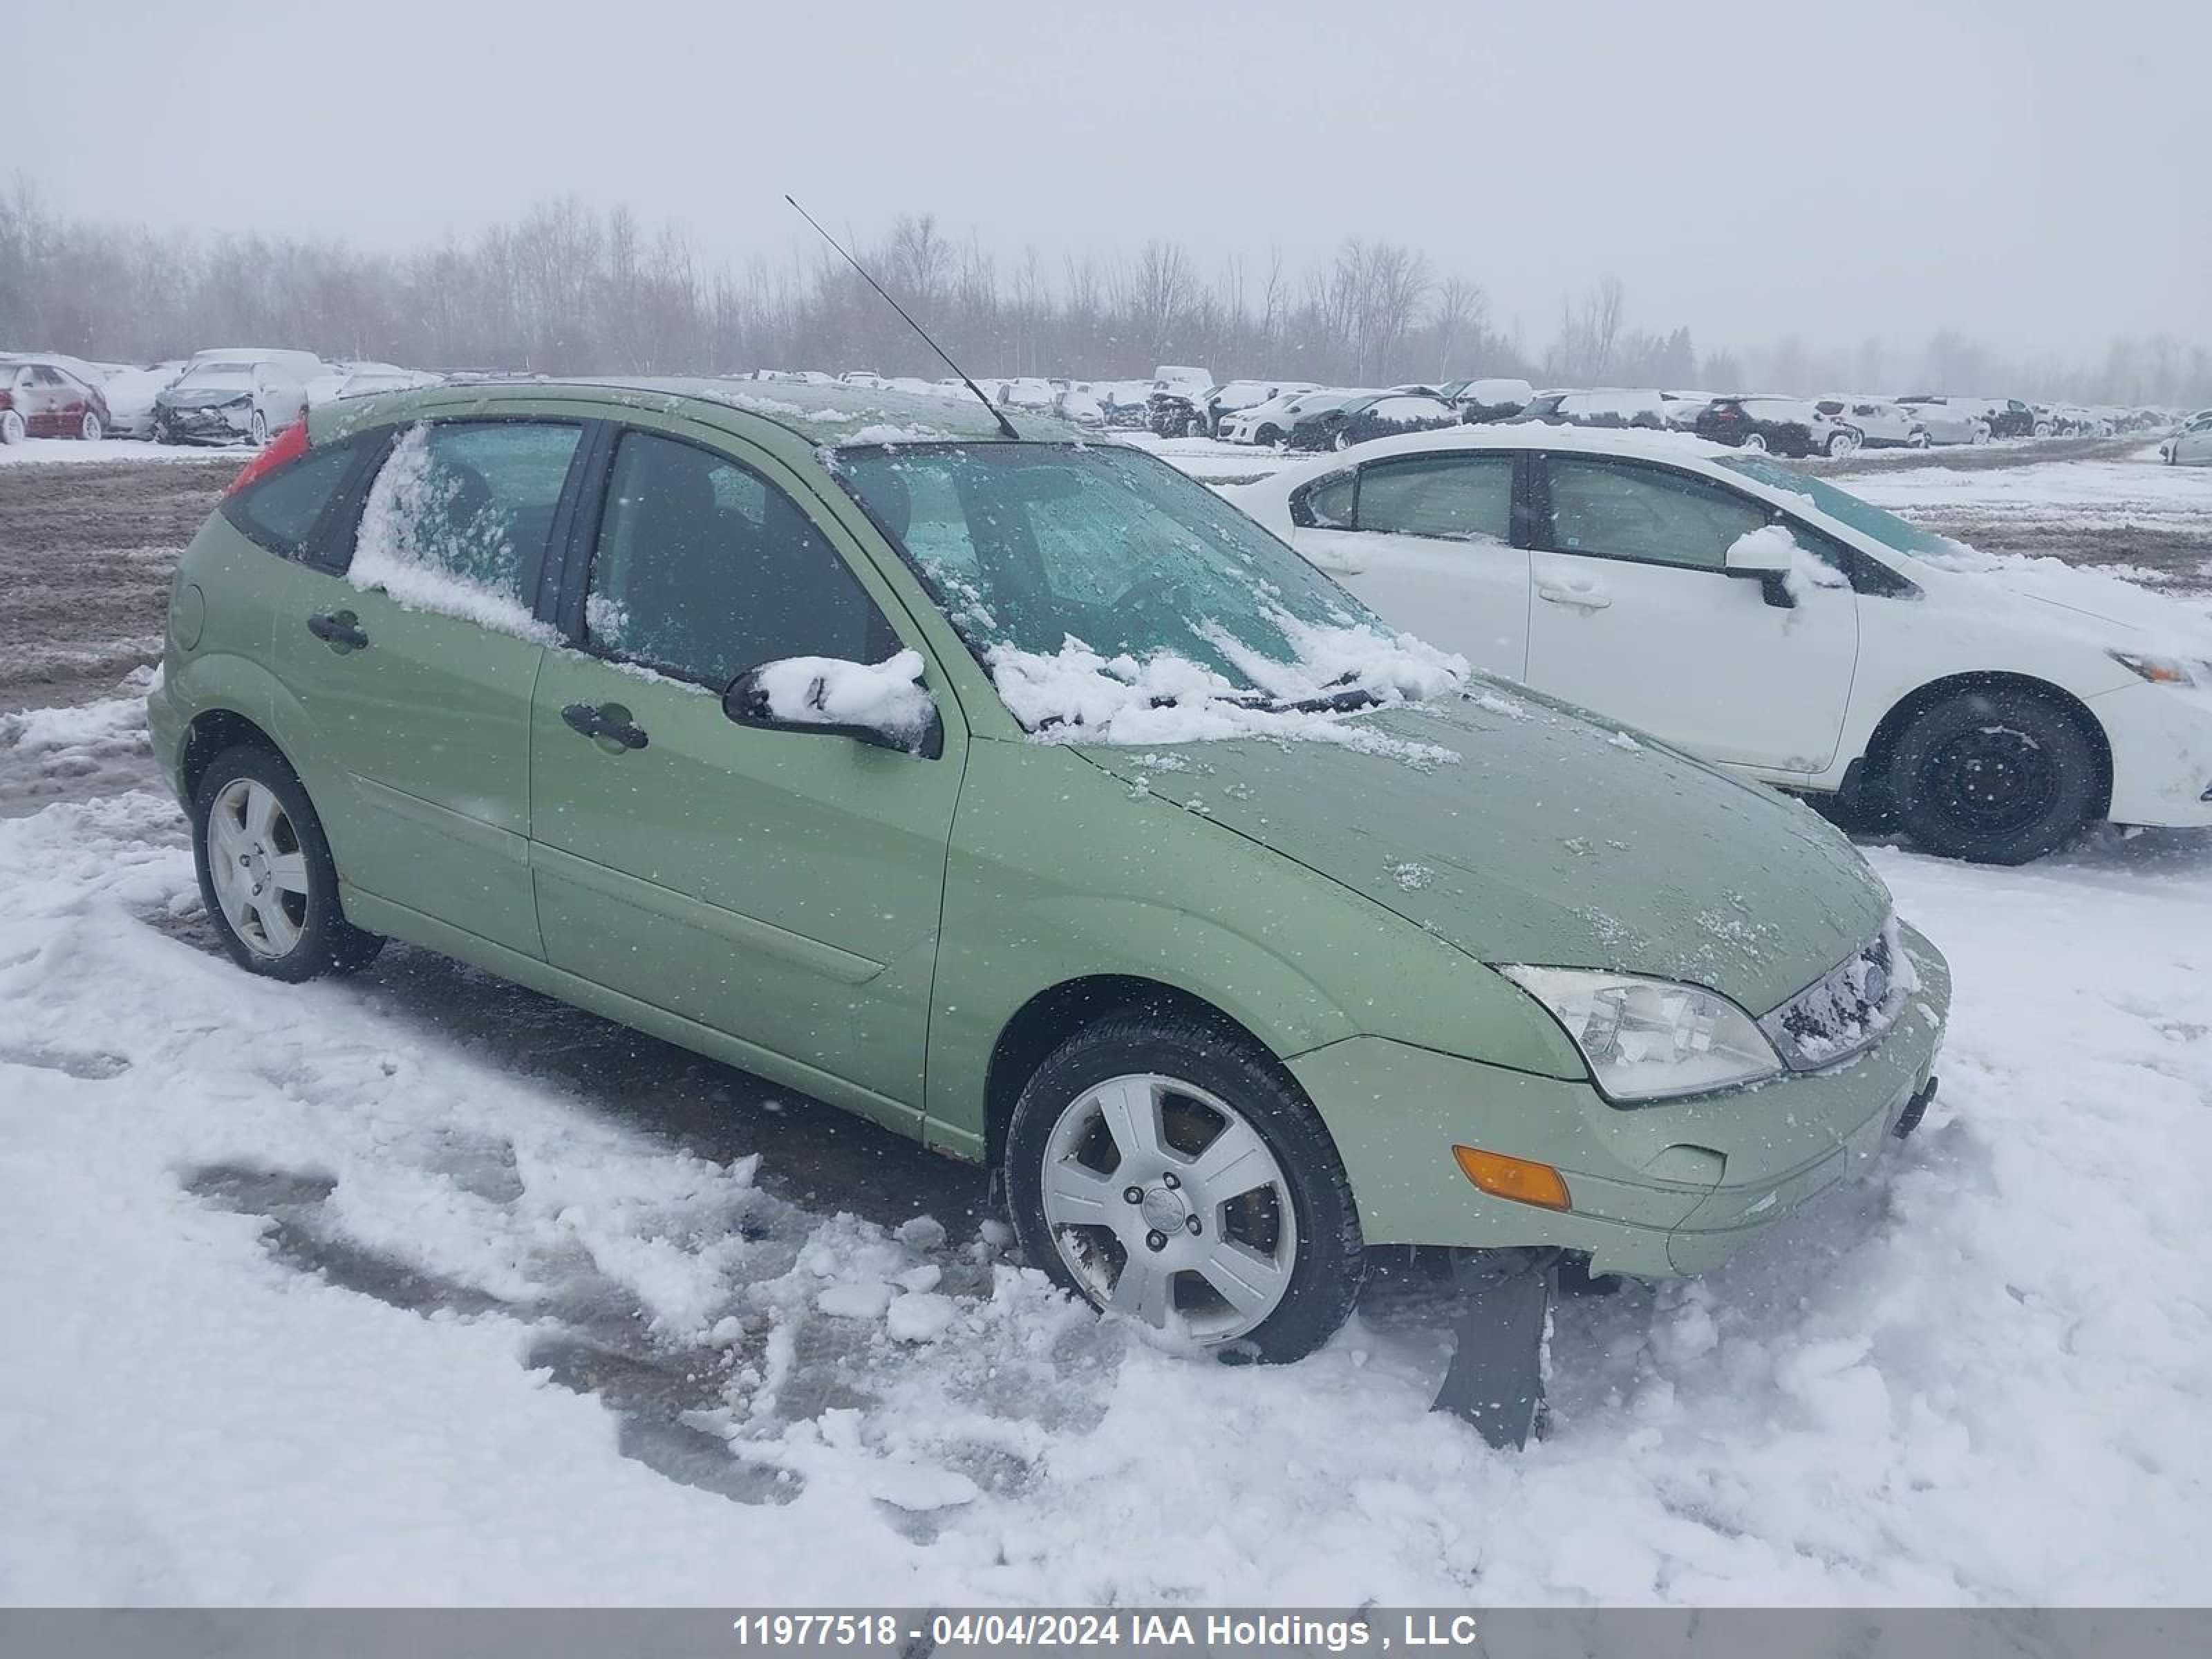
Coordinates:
1658	1191
2160	737
221	424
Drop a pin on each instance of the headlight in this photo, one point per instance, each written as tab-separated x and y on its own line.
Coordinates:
2164	671
1651	1039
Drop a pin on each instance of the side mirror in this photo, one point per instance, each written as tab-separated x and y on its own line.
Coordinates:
880	704
1764	556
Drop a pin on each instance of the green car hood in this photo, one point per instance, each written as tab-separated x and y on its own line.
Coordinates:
1552	839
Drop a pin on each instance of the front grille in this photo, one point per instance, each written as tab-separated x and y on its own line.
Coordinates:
1847	1010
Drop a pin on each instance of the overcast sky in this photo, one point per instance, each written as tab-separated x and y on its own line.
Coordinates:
2039	174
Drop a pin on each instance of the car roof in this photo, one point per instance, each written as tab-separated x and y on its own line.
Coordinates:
834	415
1676	446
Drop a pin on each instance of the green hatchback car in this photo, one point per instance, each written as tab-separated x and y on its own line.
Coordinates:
1018	794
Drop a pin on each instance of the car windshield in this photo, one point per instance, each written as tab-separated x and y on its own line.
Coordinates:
1085	566
1895	533
220	375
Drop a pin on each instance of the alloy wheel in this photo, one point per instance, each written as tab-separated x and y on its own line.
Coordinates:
89	428
259	871
1164	1203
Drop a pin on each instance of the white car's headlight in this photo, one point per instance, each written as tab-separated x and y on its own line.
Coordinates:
2164	671
1651	1039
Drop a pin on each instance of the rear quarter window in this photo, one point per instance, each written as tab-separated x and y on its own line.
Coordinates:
282	511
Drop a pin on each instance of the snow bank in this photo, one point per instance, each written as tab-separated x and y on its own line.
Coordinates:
1077	696
885	697
410	547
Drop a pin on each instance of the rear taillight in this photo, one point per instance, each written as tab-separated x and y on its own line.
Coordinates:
285	448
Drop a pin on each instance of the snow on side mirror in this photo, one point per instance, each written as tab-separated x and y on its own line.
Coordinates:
1769	556
881	704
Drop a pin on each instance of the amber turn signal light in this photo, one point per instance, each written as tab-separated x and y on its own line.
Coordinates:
1515	1178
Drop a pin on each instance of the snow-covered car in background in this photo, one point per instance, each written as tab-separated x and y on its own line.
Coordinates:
130	393
365	381
1219	404
1076	402
1270	422
1880	423
1678	410
1606	407
1787	426
1376	415
1773	624
1488	399
40	398
1171	409
1949	420
2191	443
235	394
1123	402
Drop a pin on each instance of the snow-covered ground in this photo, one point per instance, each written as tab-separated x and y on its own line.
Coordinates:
32	450
321	1295
417	1288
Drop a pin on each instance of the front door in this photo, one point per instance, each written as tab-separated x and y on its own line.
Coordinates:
1635	616
782	887
1427	542
411	667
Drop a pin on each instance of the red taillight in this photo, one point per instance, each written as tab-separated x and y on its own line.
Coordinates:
285	448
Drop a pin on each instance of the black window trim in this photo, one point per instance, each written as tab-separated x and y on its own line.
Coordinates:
1520	519
562	601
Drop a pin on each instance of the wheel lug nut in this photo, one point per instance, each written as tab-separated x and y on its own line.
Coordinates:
1158	1240
1169	1182
1192	1222
1135	1194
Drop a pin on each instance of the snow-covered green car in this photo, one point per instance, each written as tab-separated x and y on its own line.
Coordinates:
1017	793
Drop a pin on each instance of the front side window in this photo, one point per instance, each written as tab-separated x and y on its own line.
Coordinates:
1458	497
458	518
1645	513
703	569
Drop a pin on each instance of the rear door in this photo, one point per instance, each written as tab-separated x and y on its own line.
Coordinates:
1634	616
1428	541
782	887
408	654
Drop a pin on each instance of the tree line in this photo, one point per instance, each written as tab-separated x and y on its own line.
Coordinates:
565	288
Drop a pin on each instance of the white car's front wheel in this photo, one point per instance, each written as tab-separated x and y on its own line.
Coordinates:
1994	775
12	430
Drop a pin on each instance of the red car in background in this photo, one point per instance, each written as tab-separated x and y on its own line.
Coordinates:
40	399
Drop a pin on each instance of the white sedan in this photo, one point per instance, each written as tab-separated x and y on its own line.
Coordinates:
2191	442
1769	623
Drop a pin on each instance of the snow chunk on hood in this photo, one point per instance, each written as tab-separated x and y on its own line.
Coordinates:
883	696
1078	696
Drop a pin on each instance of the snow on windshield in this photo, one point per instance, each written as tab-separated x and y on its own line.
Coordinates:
1113	600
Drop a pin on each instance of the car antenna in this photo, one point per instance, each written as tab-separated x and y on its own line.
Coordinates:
997	414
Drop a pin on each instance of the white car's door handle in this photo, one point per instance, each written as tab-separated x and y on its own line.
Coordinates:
1592	598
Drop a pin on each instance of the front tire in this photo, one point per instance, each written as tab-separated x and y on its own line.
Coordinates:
90	429
1994	775
1241	1233
161	433
265	871
12	429
257	430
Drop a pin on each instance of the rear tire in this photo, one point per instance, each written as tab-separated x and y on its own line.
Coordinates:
1755	441
1280	1212
265	871
1994	775
1841	444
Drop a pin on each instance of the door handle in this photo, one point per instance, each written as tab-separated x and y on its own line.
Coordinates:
606	721
1586	598
341	632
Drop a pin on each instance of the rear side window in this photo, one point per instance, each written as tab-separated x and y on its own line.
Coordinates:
1461	498
281	511
458	519
703	569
